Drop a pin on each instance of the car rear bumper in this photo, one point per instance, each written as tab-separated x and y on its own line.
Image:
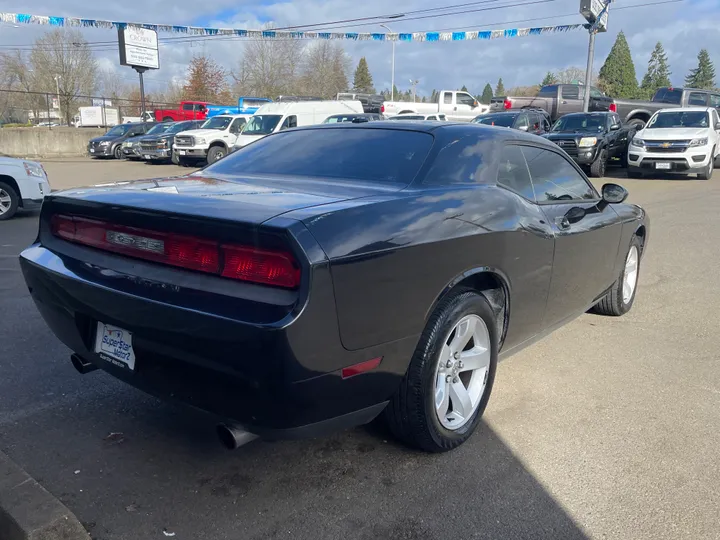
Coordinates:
278	381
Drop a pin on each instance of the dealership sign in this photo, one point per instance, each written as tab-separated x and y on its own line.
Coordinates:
138	47
596	12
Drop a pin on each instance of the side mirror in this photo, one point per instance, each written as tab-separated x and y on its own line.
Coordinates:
475	104
717	126
614	127
614	194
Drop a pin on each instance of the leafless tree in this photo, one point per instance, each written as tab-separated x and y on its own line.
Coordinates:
112	85
18	75
64	54
269	68
574	74
325	69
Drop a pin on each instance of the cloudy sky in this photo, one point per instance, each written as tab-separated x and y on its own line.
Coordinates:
683	27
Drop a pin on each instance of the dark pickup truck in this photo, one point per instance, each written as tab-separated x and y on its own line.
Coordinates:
638	112
557	99
592	139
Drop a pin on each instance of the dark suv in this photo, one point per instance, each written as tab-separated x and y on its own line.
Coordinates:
535	121
110	144
158	146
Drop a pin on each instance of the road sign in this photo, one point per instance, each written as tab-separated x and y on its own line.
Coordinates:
138	47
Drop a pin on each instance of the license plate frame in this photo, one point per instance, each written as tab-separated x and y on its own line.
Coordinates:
663	166
181	152
114	344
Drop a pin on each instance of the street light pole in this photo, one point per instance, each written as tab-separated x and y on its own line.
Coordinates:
392	83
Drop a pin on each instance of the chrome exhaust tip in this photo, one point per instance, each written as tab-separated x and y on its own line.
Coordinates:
233	436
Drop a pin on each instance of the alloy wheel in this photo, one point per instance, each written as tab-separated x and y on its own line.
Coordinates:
462	372
630	275
5	202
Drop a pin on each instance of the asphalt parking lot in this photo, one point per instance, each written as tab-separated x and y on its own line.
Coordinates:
608	428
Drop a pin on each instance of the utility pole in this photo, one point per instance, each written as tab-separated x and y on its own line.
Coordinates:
392	84
414	83
57	89
598	21
140	71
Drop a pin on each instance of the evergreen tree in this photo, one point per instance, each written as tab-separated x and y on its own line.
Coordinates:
487	94
464	88
362	82
434	96
500	88
658	73
550	78
618	74
702	76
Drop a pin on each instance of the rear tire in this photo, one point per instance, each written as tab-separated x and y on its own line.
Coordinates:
117	152
413	415
599	166
168	119
707	173
619	299
9	201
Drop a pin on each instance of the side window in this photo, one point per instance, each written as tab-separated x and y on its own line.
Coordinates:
715	100
199	107
447	98
697	98
554	178
548	91
461	161
187	106
513	172
465	99
441	117
570	92
289	122
431	118
522	121
237	125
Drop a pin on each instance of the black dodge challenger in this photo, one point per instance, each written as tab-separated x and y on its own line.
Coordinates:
322	276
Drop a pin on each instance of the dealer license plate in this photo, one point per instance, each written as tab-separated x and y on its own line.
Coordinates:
181	152
114	345
147	156
663	166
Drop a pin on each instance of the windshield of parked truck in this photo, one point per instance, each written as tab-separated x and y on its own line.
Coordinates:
331	153
502	120
594	123
692	119
181	126
668	95
262	124
157	129
118	131
217	122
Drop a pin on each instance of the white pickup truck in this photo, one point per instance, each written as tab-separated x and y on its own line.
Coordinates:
23	184
455	105
212	141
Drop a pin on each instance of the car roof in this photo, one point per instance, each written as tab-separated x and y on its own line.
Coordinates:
591	113
686	109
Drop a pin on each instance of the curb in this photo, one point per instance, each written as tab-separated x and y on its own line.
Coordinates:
29	512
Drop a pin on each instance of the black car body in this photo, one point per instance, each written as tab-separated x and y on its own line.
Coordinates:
110	144
335	266
592	139
159	147
357	118
535	121
637	112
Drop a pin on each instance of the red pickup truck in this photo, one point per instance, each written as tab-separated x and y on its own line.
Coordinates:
188	110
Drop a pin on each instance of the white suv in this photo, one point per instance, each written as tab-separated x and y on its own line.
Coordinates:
213	141
23	184
681	141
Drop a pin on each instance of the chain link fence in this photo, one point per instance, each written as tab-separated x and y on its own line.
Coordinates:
20	108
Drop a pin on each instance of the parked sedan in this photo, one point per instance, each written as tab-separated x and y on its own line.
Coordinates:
593	139
535	121
297	287
679	141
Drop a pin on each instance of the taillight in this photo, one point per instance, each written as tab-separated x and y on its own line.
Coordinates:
613	107
382	109
245	263
507	104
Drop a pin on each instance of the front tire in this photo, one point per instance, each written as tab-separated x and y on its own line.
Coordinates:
216	153
175	159
598	167
9	201
707	173
450	377
619	300
117	152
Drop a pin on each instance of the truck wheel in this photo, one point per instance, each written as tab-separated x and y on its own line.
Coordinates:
448	382
637	123
117	152
215	153
175	159
597	169
707	172
9	201
167	119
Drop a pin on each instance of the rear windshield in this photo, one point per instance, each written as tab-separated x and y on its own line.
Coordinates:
668	95
333	153
502	120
